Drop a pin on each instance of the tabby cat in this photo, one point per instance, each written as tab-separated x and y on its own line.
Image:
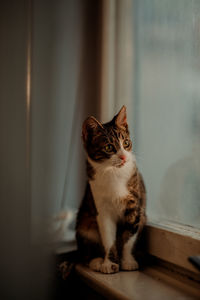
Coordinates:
112	212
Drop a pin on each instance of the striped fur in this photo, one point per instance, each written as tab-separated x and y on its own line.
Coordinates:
112	213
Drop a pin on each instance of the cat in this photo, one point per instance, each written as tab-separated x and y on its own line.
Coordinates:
112	212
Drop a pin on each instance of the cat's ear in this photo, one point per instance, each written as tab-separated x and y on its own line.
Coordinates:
90	125
121	118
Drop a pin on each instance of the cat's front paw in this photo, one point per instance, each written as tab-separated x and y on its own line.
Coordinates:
109	267
95	264
129	264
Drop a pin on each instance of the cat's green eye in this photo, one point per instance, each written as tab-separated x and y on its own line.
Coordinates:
109	148
126	143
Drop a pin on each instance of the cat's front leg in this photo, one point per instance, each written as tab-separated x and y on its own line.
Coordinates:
108	228
128	261
129	237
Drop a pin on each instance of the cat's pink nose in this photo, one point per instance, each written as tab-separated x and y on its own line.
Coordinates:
122	157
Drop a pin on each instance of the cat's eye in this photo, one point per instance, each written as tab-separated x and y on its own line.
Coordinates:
126	143
108	148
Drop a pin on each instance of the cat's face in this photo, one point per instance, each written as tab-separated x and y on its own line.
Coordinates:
108	144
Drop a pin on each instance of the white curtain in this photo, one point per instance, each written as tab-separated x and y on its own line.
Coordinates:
82	64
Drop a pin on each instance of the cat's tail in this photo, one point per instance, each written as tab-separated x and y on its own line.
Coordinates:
66	265
65	268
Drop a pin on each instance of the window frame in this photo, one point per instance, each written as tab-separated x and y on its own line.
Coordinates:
172	243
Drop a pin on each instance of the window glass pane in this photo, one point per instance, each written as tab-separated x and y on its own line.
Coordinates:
167	106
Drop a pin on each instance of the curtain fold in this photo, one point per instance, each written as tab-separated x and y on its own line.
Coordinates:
117	58
65	90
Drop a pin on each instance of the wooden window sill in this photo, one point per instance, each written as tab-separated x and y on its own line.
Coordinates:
151	284
172	242
167	276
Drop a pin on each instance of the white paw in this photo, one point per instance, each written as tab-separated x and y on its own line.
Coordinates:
95	264
109	267
129	264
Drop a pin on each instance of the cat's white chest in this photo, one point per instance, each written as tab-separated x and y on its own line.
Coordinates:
110	188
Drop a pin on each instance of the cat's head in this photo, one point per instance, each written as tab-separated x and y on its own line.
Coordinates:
108	143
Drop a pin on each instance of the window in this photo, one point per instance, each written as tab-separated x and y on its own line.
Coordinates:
167	107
